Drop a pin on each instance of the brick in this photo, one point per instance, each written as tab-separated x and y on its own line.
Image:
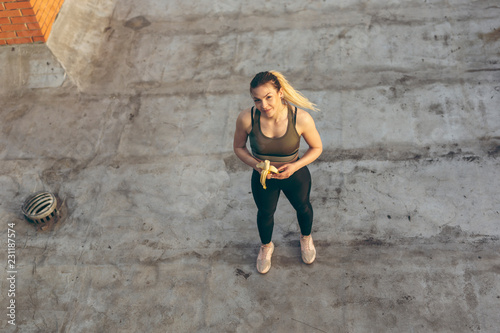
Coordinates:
10	13
33	26
41	19
19	41
28	12
29	33
47	32
37	6
9	34
24	19
39	39
14	27
45	29
51	17
17	5
3	42
37	15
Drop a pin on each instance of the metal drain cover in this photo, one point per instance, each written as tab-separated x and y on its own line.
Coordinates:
40	207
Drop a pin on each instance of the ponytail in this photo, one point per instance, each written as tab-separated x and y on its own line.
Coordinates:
293	96
290	95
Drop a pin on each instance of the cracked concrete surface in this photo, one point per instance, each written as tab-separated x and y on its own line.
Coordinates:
128	115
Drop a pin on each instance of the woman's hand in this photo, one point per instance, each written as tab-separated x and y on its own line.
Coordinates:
285	171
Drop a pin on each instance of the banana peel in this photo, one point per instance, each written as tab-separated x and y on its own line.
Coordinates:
266	168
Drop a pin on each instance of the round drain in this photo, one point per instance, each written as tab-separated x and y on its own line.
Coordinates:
40	207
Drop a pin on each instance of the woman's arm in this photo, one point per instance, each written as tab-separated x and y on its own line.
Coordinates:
243	127
307	128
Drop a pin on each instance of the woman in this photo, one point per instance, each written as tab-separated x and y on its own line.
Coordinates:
274	127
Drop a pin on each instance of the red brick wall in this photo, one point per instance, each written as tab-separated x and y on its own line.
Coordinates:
27	21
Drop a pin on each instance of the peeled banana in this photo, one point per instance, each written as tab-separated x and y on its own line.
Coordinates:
266	168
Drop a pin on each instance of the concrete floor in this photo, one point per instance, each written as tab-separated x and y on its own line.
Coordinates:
128	113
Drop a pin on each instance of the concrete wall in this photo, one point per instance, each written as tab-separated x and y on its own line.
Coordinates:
423	74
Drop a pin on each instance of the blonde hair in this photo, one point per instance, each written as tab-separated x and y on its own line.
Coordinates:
290	95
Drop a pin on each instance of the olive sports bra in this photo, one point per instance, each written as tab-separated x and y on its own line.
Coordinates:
282	149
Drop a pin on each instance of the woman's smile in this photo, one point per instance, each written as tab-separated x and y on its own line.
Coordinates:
268	100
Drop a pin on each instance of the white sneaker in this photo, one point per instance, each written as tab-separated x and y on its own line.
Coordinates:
307	249
264	258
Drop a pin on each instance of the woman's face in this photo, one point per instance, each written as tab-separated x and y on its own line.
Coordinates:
267	100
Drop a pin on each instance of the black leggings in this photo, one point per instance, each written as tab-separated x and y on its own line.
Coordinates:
296	188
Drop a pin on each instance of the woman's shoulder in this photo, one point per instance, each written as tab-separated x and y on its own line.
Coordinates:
245	115
245	119
304	117
304	121
247	111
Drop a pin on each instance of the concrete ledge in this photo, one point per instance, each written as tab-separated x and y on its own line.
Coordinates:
29	67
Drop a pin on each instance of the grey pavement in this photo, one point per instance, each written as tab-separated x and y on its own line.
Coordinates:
128	114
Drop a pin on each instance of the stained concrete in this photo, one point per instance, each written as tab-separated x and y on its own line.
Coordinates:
128	113
33	67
